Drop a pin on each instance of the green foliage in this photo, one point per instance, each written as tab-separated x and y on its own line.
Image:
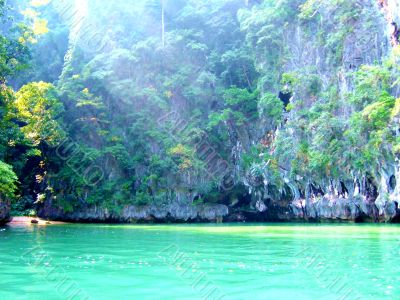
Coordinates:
371	82
8	180
37	105
240	107
271	107
218	73
14	51
378	113
13	57
183	155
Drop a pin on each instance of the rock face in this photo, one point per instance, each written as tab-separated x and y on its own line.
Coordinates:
368	38
323	209
4	211
355	197
139	214
342	209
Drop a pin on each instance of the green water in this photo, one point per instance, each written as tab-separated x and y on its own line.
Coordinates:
200	262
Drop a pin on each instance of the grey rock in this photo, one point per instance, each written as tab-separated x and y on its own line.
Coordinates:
4	211
132	214
342	209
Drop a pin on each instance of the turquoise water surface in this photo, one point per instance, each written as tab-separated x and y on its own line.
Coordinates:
268	261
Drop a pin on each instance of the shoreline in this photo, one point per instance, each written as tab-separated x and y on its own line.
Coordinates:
30	221
27	221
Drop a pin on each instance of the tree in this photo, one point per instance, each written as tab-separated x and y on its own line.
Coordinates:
157	9
37	105
8	180
14	53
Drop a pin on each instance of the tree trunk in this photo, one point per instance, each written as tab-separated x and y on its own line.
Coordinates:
162	23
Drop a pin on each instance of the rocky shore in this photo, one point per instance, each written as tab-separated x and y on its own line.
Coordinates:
321	210
4	212
138	214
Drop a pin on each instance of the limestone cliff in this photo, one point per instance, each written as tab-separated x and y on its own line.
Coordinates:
368	37
296	101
